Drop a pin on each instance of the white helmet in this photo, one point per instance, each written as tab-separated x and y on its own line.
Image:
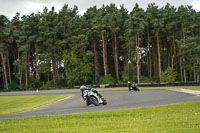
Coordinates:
83	87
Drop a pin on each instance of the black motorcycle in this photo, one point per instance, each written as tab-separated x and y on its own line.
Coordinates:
133	87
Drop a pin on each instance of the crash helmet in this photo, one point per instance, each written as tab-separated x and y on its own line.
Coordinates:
83	87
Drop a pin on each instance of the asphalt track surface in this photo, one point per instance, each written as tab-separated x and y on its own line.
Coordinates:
116	100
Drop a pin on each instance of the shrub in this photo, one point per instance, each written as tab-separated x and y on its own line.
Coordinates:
144	79
22	86
125	77
33	83
48	84
169	75
62	83
120	82
128	77
13	85
108	79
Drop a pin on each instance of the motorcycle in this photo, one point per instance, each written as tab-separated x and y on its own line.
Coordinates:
91	96
133	87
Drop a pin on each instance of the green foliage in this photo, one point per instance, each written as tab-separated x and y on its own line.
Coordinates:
77	71
121	82
149	80
108	79
62	83
22	86
33	83
13	85
125	77
48	84
43	68
169	75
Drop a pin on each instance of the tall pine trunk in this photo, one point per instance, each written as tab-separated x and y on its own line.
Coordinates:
149	58
96	61
155	64
9	73
185	75
26	75
115	53
184	71
137	57
181	68
15	69
27	70
174	52
194	73
150	64
159	61
54	73
104	55
198	76
48	74
4	70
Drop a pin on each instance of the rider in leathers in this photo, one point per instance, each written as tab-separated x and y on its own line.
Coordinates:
83	88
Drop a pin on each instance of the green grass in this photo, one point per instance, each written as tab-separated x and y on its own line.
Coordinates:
168	87
175	87
14	104
191	87
175	118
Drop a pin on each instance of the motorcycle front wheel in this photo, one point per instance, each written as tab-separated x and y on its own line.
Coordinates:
93	100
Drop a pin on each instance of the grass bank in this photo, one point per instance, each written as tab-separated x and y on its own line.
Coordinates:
175	118
14	104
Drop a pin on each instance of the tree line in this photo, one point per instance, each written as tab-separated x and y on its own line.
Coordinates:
104	45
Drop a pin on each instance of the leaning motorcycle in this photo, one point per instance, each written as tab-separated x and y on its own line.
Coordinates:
133	87
92	97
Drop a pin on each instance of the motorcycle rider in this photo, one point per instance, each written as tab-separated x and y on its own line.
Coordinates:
134	86
83	88
88	95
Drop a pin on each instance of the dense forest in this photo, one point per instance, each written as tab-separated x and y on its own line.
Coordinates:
108	45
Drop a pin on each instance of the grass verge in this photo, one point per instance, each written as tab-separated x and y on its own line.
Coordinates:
167	87
174	118
14	104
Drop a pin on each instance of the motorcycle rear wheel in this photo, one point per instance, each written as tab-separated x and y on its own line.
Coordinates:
104	102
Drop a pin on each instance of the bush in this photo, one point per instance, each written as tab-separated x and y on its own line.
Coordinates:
33	83
144	79
125	77
108	79
22	86
120	82
13	85
169	75
62	83
48	84
128	77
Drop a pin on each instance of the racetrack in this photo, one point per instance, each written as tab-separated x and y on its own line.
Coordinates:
116	100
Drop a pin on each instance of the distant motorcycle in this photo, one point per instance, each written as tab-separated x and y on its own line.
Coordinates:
133	86
91	96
